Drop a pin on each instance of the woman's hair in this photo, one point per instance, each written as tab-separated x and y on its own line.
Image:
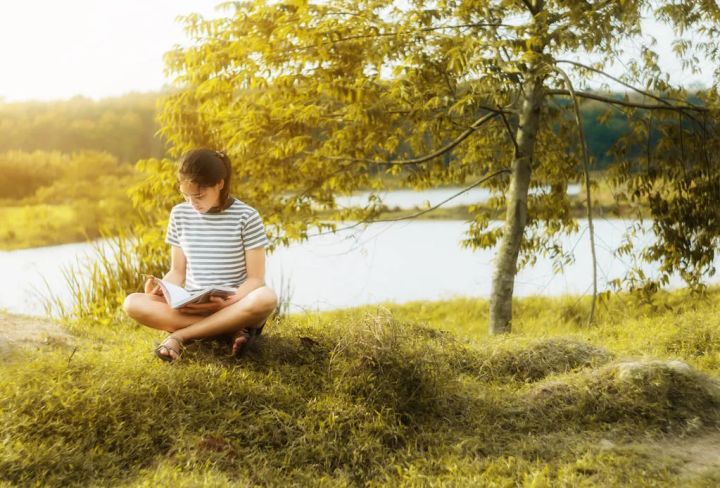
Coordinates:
206	168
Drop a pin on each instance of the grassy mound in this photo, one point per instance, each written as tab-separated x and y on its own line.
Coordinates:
538	359
359	399
653	394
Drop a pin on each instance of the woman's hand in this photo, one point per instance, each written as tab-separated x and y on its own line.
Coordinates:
153	289
210	307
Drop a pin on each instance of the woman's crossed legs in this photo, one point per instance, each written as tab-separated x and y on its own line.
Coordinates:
248	313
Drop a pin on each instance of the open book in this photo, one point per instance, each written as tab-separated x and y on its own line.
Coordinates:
177	296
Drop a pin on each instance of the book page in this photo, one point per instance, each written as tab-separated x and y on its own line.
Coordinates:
204	295
177	293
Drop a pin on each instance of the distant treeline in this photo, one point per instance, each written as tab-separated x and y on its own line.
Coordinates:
50	197
125	127
60	178
601	136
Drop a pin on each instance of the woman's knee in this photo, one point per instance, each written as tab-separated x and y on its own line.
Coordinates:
264	300
270	299
133	304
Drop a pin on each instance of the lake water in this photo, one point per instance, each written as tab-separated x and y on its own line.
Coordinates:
408	199
401	261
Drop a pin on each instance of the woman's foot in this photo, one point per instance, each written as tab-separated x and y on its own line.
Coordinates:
243	339
241	342
170	350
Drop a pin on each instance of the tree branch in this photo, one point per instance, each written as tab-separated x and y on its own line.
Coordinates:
614	101
529	6
634	88
451	145
510	134
623	83
448	147
421	212
586	171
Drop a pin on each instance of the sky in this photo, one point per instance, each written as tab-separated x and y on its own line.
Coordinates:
58	49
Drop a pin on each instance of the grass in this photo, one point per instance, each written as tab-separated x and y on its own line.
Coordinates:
395	395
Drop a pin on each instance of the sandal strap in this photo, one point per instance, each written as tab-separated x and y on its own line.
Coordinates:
177	350
163	346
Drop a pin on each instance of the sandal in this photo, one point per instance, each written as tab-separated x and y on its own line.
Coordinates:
168	357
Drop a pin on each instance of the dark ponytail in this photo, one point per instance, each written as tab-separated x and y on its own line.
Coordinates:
206	168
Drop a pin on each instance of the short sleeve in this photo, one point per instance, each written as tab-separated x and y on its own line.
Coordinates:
253	234
172	235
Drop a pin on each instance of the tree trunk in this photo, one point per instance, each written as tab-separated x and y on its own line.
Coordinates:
516	216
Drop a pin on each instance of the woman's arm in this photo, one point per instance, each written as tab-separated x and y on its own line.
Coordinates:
255	266
178	265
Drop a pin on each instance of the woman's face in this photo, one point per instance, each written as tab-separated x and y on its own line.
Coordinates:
202	198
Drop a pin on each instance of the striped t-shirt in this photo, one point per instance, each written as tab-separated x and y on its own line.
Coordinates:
215	244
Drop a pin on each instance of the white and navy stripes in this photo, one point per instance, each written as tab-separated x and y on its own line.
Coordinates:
215	244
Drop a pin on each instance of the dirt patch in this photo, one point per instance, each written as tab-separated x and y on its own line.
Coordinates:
701	455
28	331
697	457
